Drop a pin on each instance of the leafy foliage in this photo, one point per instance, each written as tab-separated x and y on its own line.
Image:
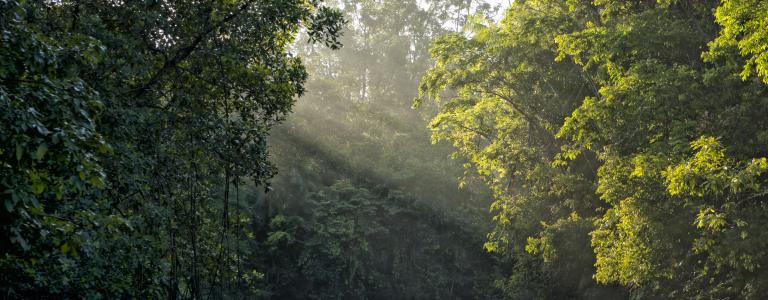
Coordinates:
743	29
622	144
635	122
121	138
372	244
507	95
373	209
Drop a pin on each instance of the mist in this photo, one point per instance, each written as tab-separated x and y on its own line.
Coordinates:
382	149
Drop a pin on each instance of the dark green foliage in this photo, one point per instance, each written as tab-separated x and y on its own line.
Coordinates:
417	235
125	125
356	243
621	146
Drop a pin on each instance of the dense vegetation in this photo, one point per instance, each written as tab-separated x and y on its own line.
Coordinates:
624	141
124	123
155	149
374	210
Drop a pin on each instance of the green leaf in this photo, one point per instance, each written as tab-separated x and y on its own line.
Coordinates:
19	151
38	187
40	152
97	182
9	205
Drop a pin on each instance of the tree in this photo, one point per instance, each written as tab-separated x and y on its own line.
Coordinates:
355	125
624	120
124	127
743	30
373	243
656	99
503	96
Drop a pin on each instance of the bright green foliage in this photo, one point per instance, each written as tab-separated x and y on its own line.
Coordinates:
601	117
655	99
624	144
125	125
503	96
744	29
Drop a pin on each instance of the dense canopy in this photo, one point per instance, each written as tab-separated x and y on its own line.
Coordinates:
384	149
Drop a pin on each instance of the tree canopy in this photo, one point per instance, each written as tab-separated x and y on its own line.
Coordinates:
623	139
123	125
383	149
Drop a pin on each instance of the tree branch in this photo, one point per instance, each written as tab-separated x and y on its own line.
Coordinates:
185	52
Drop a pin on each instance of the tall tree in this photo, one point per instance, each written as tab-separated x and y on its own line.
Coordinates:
638	123
503	96
355	125
124	125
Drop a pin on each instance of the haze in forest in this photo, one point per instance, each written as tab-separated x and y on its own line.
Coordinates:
382	149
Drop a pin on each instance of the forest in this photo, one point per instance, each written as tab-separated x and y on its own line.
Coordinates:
384	149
